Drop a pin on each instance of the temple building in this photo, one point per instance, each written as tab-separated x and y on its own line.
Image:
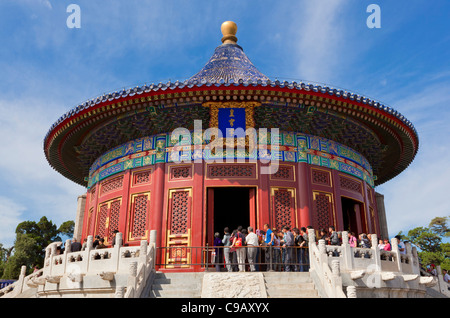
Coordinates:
224	148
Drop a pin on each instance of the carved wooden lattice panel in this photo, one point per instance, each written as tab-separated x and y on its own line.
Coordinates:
140	205
102	220
183	172
350	184
283	207
231	171
320	177
178	233
142	177
284	173
111	185
89	221
180	209
108	219
92	193
114	215
323	210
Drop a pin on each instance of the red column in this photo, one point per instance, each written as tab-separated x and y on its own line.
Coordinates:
157	202
263	215
337	201
304	195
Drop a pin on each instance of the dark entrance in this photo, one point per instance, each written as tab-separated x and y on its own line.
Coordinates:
231	208
353	216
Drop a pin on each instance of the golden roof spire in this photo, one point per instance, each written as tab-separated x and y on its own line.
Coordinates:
229	29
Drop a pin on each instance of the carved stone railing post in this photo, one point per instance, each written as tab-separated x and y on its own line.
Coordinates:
351	292
335	268
322	247
90	243
120	292
394	246
376	252
415	261
347	254
131	285
143	252
119	239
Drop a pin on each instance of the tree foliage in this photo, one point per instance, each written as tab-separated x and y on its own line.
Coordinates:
29	247
429	241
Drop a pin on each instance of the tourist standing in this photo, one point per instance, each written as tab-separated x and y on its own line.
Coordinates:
303	246
352	241
75	246
401	245
287	245
252	248
334	237
387	245
218	251
268	241
226	241
238	244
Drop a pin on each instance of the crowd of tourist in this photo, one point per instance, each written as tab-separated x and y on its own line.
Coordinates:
244	249
267	249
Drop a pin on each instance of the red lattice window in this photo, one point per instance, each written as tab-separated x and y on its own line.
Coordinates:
111	185
283	207
89	221
108	219
180	212
114	214
231	170
102	218
139	212
323	210
180	172
350	184
92	193
142	177
320	177
284	173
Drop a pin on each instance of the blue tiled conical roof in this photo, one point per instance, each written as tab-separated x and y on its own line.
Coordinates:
229	64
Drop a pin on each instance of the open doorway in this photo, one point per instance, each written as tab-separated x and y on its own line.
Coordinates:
229	207
353	216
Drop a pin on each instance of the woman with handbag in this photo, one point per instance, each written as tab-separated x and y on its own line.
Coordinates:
238	244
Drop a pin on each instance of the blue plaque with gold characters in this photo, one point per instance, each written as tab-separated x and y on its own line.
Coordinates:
230	119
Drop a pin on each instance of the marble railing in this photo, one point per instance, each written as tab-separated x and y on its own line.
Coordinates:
328	262
120	271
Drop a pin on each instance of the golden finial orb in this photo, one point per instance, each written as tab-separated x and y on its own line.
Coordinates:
229	29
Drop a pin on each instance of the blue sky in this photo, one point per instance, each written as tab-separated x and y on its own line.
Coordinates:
47	68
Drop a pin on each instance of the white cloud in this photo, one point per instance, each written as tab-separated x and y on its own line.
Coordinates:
30	188
420	192
321	31
10	216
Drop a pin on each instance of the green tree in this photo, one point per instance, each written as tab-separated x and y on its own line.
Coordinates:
431	249
31	240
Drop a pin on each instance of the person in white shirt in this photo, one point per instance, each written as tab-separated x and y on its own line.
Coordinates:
401	245
252	248
446	276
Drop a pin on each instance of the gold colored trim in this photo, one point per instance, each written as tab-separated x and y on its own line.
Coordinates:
139	170
293	195
214	111
353	179
131	214
330	199
324	170
284	180
231	163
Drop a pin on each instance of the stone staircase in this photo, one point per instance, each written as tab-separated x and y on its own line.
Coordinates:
177	285
190	285
289	285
